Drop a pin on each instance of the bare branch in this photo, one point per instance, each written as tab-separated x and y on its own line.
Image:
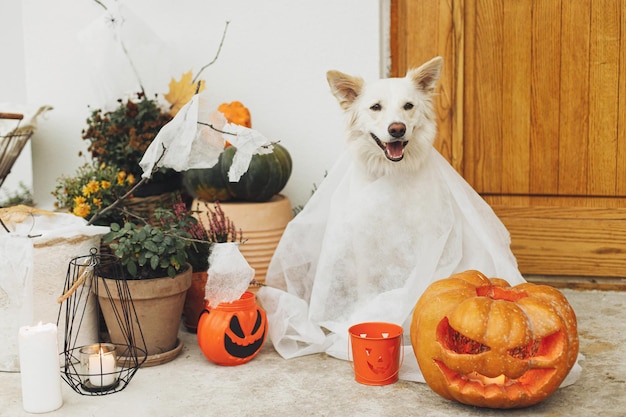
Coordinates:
4	226
216	129
219	49
101	4
123	46
234	134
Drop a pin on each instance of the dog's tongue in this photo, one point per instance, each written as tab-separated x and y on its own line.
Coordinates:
395	150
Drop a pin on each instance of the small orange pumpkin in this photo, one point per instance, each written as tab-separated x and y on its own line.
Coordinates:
481	342
235	112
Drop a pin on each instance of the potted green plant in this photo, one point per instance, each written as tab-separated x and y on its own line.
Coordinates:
155	259
155	246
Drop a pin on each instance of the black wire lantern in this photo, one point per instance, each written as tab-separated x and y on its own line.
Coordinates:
99	367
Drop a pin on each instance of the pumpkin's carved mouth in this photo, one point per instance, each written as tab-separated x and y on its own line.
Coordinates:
394	151
240	350
530	383
379	368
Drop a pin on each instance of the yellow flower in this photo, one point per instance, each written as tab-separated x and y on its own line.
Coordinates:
130	179
121	176
78	200
97	202
92	187
105	184
82	210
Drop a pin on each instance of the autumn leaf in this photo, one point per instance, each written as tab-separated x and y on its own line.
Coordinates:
181	92
17	214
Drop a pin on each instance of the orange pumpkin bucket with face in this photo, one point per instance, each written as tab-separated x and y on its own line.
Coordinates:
376	348
232	333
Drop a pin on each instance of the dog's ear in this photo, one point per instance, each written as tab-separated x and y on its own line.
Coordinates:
426	76
344	87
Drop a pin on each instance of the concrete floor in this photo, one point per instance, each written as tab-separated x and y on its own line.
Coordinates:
319	385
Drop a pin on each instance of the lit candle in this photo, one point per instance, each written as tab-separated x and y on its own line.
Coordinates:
99	365
39	368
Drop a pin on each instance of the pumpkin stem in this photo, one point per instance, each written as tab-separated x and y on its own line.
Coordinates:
499	293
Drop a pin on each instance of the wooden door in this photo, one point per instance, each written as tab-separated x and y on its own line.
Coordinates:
532	112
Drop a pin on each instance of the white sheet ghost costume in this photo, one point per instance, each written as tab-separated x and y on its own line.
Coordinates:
367	245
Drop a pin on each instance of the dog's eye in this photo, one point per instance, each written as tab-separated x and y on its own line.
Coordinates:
408	106
376	107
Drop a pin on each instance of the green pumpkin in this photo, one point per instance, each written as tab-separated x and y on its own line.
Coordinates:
267	174
207	184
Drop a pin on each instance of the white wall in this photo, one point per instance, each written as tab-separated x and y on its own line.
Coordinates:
13	88
274	60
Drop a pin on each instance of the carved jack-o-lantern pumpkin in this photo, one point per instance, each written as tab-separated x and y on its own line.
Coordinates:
232	333
480	341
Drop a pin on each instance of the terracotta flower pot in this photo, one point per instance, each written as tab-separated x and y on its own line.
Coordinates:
262	225
159	306
194	300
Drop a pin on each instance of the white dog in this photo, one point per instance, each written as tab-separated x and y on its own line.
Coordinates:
391	217
393	118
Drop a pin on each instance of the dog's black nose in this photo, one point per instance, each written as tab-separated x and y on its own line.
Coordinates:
397	130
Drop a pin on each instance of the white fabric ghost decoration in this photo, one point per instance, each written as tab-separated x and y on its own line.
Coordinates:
366	250
365	247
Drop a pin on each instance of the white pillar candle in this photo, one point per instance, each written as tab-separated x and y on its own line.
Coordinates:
39	368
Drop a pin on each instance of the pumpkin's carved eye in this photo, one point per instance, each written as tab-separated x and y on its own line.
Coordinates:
235	326
456	342
257	324
546	347
525	352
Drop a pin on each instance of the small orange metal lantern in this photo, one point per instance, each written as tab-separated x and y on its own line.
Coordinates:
232	333
376	348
